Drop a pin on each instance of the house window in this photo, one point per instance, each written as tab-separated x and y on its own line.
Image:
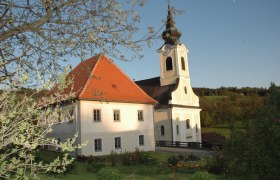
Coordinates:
196	128
140	115
183	63
117	115
69	114
96	115
118	143
188	124
168	64
177	129
162	130
141	140
98	144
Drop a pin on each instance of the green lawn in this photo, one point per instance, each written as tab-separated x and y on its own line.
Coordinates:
137	172
223	131
158	170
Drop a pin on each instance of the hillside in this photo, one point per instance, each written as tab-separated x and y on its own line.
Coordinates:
229	106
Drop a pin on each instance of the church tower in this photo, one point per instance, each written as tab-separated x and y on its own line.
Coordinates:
173	54
174	63
177	113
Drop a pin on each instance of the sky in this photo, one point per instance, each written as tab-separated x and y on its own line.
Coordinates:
231	43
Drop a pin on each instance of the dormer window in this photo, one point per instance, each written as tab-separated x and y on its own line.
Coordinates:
168	64
183	63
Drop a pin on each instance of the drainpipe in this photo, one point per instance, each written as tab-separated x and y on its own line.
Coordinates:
171	124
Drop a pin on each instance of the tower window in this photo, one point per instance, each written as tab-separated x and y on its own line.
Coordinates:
169	65
183	63
188	124
186	90
162	130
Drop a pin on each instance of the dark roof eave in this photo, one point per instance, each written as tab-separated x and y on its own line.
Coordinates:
116	101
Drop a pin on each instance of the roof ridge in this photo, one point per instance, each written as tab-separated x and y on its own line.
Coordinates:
130	80
91	73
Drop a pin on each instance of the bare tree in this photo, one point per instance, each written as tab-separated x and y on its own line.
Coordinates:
38	36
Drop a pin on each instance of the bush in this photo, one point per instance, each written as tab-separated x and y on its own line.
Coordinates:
137	157
202	175
113	158
127	159
141	157
95	167
217	164
81	158
190	167
108	174
173	161
192	157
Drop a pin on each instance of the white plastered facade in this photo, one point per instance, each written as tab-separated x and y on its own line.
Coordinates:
128	128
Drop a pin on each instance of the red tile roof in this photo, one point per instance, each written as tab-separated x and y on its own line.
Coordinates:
98	78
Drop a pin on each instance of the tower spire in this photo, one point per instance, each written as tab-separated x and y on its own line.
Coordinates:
171	35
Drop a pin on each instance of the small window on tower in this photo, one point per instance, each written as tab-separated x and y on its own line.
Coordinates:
186	90
183	63
162	130
169	65
188	124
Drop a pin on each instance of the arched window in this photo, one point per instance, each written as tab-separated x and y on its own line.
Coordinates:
186	90
188	124
162	130
168	64
183	63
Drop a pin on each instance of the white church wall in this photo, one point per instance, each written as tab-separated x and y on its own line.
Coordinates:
180	117
162	117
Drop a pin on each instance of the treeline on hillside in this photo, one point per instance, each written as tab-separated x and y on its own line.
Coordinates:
230	105
253	153
225	91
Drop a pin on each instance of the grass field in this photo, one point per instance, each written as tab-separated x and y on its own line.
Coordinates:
80	170
223	131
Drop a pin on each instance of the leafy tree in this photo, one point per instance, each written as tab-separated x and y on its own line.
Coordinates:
256	150
37	40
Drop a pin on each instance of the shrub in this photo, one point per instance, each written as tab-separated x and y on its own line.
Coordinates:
108	174
173	161
137	157
95	166
190	167
192	157
126	158
90	159
217	164
141	157
81	158
113	158
202	175
181	157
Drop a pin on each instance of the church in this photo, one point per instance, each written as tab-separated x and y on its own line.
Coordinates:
112	113
177	114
